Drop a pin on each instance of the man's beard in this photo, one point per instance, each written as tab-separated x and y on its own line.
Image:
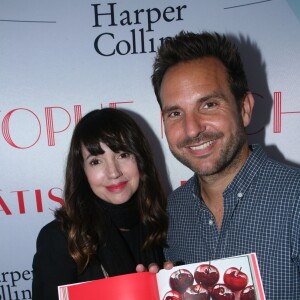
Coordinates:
229	156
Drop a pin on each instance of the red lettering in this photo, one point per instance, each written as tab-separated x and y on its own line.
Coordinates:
6	129
21	200
4	206
52	115
50	124
77	113
55	198
115	104
39	203
278	112
54	194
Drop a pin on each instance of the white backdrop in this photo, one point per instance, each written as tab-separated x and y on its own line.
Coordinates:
59	59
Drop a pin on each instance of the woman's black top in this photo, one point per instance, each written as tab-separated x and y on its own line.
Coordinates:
53	265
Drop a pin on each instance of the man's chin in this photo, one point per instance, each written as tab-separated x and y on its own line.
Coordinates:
205	170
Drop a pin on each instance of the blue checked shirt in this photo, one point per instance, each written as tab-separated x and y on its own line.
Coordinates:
261	215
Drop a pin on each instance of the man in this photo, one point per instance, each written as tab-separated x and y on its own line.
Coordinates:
238	201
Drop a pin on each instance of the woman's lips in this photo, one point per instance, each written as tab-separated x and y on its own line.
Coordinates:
117	187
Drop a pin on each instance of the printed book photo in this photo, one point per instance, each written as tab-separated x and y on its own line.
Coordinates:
233	278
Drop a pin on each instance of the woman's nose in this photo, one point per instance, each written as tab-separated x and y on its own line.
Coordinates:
113	170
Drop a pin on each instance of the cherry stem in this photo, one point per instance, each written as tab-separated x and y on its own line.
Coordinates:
209	264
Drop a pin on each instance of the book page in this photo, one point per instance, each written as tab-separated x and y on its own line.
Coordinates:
134	286
230	276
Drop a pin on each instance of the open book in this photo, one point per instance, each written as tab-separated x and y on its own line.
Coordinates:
233	278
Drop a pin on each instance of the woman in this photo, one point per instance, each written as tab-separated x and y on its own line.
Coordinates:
114	214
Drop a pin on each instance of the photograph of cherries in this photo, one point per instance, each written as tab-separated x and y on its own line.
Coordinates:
228	279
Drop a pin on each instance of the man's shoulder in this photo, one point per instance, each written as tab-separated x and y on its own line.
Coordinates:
185	189
279	169
281	180
267	167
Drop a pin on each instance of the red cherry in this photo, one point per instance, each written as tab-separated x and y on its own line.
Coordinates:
235	279
180	280
172	295
206	274
196	292
221	292
248	293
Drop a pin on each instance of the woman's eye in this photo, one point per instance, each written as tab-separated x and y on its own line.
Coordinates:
94	162
124	155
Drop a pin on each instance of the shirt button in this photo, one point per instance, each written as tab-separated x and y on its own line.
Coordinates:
210	222
240	195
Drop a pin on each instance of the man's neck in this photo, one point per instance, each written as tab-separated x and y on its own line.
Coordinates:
213	186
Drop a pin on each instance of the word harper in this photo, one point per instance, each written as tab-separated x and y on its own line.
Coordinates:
9	281
108	43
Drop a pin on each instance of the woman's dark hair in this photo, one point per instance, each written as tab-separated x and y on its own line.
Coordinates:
188	46
80	216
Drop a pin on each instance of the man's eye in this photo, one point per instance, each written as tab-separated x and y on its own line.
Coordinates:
209	104
174	114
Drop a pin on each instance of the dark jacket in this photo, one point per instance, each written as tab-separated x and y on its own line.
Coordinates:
53	265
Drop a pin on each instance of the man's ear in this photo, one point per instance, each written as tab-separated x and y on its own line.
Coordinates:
247	108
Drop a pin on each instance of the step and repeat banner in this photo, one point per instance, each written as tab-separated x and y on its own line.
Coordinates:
59	59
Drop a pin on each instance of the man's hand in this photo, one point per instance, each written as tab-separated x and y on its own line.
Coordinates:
154	268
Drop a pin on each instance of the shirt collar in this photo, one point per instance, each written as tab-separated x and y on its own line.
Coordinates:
244	177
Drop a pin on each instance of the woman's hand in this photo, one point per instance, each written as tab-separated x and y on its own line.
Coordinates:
153	267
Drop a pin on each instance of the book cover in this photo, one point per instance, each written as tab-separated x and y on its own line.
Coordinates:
234	278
